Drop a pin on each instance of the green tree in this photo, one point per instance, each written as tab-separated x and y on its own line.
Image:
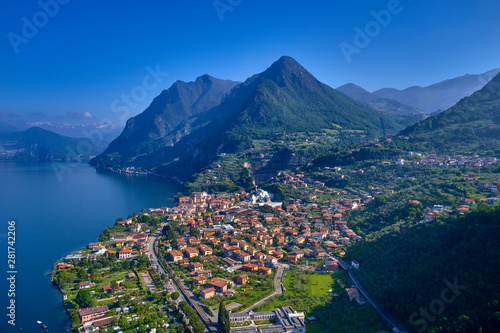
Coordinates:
75	319
84	299
224	318
175	295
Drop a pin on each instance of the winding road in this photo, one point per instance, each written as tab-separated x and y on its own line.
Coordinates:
384	314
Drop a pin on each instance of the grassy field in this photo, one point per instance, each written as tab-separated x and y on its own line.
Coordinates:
310	293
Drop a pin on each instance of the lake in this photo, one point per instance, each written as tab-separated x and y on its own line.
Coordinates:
59	208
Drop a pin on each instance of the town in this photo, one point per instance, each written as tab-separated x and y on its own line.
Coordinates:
171	269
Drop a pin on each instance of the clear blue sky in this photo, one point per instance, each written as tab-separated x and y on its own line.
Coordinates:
91	52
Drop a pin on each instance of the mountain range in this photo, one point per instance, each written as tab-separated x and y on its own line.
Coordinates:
409	114
191	123
439	96
472	125
39	145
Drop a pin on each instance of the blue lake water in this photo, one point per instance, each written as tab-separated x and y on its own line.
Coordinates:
60	208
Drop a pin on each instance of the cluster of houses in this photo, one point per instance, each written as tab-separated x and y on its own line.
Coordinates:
251	239
474	161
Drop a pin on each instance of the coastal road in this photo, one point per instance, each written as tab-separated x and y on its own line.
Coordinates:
278	288
384	314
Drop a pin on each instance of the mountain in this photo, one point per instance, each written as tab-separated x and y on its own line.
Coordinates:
156	126
473	124
408	114
283	99
39	145
6	127
439	96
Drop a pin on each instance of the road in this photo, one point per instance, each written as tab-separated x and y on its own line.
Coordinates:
152	255
384	314
186	294
278	289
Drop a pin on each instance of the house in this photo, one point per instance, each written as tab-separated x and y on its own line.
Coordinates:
202	272
183	261
176	255
108	288
206	250
242	279
195	266
220	284
491	201
355	264
241	256
319	253
344	240
354	294
131	275
265	270
86	284
191	252
299	240
250	267
125	253
64	265
292	258
271	261
200	280
207	293
95	312
94	246
228	250
259	255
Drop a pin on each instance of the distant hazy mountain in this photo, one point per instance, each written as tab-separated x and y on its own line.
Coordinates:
472	125
6	127
409	115
94	131
39	145
285	98
439	96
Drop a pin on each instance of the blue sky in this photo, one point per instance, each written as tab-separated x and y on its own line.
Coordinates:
85	55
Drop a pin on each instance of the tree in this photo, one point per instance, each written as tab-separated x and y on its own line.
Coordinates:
114	286
224	318
175	295
169	233
75	319
81	274
194	231
84	299
268	209
66	277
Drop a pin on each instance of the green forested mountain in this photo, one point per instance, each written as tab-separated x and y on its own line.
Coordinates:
438	277
473	124
285	98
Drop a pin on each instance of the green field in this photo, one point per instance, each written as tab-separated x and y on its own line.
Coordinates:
310	293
